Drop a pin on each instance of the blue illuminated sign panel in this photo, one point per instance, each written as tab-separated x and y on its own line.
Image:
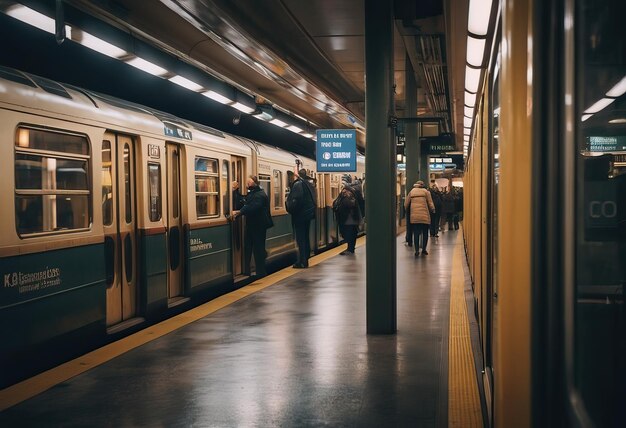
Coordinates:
336	150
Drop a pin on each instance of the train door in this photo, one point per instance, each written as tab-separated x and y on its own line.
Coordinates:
120	226
174	224
238	165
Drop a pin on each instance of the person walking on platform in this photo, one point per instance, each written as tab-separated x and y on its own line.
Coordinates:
458	206
301	204
421	205
447	209
435	218
258	220
348	214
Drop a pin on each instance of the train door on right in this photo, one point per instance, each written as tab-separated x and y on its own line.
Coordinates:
595	217
237	170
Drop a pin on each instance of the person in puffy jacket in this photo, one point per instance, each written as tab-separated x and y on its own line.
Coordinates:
349	217
420	202
301	204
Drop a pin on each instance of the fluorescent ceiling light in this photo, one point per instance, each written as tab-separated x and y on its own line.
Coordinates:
618	90
472	78
466	138
294	128
278	122
242	107
470	99
467	122
185	83
478	17
600	105
585	117
217	97
619	120
147	66
307	135
36	19
475	51
468	111
100	46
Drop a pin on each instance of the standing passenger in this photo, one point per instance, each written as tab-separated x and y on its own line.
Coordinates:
348	214
434	221
421	205
258	220
301	204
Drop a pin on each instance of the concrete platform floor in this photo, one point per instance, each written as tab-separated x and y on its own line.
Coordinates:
293	354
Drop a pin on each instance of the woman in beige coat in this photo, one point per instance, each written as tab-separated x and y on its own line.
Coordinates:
421	205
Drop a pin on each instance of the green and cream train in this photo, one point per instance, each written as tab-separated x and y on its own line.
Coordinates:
115	215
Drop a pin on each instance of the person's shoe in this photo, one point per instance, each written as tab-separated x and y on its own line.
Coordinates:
344	252
437	236
409	244
297	266
424	252
417	254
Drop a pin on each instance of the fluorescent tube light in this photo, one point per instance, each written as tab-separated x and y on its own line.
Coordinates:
294	128
242	107
307	135
585	117
100	46
618	90
478	17
467	122
472	78
147	66
470	99
475	51
600	105
217	97
468	111
278	122
185	83
467	132
618	120
31	17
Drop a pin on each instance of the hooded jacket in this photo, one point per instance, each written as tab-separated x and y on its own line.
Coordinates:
421	205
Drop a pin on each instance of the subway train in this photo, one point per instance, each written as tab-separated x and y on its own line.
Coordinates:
545	214
115	215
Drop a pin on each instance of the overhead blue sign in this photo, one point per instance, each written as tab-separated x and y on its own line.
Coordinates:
336	150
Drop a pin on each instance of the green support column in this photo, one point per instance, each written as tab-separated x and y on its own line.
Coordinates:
411	147
423	163
380	169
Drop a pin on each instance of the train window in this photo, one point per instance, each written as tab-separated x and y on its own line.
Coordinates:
225	186
207	187
154	191
265	183
107	184
278	189
127	185
600	223
52	191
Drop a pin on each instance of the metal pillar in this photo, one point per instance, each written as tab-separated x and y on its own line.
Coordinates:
380	166
423	163
411	146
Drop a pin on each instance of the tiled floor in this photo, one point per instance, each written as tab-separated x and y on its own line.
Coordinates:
293	354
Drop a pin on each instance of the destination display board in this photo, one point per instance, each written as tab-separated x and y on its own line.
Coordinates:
336	150
606	143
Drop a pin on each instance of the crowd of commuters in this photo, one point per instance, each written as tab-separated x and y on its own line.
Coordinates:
428	211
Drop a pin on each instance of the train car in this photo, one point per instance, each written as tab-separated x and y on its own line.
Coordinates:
116	215
545	214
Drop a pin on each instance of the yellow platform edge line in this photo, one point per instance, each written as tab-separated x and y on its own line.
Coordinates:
28	388
464	408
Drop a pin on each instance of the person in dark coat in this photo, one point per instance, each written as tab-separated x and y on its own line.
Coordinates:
447	209
458	206
258	220
435	218
238	198
301	204
348	213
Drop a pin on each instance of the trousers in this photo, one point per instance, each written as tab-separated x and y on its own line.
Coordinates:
303	240
255	244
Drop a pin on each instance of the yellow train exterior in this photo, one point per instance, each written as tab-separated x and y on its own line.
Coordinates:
545	214
115	215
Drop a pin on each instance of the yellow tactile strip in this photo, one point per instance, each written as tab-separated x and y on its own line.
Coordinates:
463	400
29	388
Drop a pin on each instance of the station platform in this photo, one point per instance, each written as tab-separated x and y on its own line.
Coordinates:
288	350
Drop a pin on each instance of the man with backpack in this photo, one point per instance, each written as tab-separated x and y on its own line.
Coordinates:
301	204
348	214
